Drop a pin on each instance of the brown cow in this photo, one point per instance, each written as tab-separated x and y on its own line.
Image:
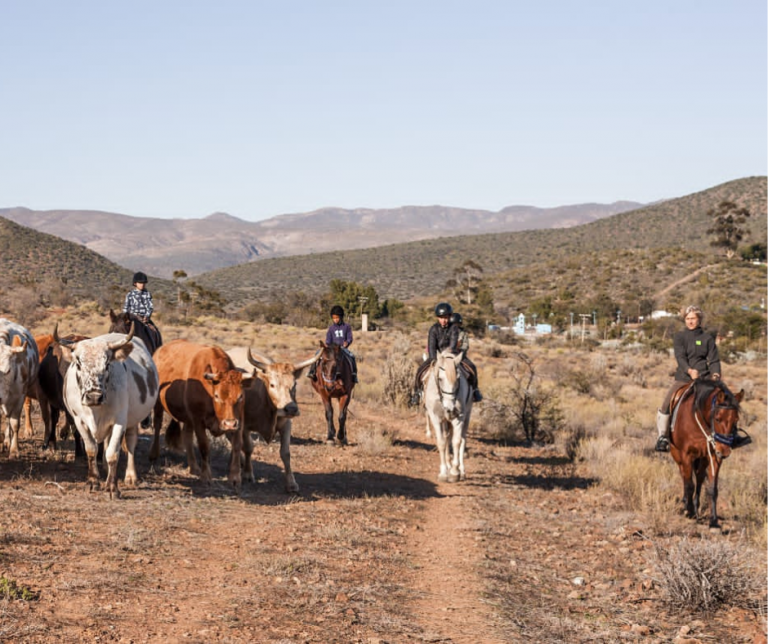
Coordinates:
200	389
270	404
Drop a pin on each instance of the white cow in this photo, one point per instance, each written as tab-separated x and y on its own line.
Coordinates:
448	401
110	386
19	363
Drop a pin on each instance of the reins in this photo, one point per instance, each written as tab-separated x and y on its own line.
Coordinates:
714	437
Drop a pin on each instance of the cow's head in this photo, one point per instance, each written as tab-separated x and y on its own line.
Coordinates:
91	361
279	380
227	392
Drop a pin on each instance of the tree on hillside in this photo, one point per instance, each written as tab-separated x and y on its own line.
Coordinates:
466	280
355	298
727	226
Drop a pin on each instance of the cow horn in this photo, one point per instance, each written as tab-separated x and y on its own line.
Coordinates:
62	341
121	343
258	361
307	362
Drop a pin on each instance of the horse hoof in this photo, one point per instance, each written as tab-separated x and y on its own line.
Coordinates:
453	478
442	477
330	441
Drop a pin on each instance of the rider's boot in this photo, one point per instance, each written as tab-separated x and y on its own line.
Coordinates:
662	427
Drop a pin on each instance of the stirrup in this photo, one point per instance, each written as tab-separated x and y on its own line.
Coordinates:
662	444
740	440
477	396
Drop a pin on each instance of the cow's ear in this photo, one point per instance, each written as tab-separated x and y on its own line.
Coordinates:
213	378
123	352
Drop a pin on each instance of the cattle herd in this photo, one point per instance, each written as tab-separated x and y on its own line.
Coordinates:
109	385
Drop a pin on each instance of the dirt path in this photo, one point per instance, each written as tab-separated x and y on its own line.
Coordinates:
683	280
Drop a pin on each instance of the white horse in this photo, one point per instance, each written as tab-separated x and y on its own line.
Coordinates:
448	401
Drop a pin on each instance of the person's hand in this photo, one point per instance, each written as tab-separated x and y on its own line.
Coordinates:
693	373
715	376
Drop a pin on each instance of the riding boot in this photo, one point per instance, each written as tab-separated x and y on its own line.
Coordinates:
354	377
311	373
415	398
662	427
477	396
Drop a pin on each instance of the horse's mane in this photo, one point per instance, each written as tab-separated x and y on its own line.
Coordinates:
704	388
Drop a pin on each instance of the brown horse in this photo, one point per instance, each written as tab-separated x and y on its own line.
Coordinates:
149	334
334	380
703	430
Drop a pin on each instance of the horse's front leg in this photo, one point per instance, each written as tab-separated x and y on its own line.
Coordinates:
331	435
700	470
686	472
712	474
457	465
343	404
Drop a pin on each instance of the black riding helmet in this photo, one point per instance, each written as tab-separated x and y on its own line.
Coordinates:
140	277
443	310
337	310
457	319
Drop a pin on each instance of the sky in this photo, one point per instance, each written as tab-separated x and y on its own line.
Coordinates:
256	108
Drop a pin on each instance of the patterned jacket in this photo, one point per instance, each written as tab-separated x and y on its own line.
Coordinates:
139	303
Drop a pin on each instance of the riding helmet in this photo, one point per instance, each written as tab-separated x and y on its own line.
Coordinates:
140	277
443	310
337	310
457	319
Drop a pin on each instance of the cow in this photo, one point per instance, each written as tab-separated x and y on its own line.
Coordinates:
110	385
201	390
19	364
270	405
49	391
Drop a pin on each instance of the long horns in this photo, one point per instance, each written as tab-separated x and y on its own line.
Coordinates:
117	344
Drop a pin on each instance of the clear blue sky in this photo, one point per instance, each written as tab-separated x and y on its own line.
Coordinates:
257	108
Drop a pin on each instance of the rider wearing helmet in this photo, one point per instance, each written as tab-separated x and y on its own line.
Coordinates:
139	300
442	335
339	332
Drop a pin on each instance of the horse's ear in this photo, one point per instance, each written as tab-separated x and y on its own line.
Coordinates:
112	315
322	344
740	396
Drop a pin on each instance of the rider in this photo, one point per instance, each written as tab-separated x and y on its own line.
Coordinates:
463	347
697	357
139	300
339	332
442	335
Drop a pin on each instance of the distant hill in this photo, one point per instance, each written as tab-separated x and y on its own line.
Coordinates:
160	246
422	268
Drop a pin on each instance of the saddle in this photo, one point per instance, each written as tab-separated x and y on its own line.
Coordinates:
678	397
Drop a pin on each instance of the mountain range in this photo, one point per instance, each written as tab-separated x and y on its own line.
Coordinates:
161	246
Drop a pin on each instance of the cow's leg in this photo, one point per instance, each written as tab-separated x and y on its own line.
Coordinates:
234	478
91	451
76	437
28	429
129	445
204	471
331	436
247	460
285	454
14	420
113	457
343	404
49	424
157	423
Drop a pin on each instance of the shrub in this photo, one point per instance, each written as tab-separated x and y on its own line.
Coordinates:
701	575
399	373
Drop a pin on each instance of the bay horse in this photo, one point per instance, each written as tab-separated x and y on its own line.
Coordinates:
334	380
148	333
704	425
448	402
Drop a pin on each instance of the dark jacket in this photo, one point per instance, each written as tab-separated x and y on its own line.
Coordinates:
695	349
339	334
441	338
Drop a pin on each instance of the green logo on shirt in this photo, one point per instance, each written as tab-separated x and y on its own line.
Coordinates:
698	342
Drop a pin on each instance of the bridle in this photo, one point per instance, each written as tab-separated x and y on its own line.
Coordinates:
714	437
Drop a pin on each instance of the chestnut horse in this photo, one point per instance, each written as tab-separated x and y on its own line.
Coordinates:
703	429
334	380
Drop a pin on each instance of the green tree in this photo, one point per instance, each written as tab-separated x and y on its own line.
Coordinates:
355	298
727	230
755	251
466	281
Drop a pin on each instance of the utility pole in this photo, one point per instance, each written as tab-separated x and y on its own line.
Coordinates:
584	317
571	325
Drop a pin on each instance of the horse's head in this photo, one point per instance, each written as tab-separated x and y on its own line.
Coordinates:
448	379
720	409
330	364
119	322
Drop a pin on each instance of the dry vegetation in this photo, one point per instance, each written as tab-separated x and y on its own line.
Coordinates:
579	539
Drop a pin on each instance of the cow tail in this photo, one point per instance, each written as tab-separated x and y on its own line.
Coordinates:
173	435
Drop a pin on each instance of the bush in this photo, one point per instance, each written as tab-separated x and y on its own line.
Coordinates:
701	575
399	373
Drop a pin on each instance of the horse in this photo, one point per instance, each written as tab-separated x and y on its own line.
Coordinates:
704	425
334	380
448	402
148	333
